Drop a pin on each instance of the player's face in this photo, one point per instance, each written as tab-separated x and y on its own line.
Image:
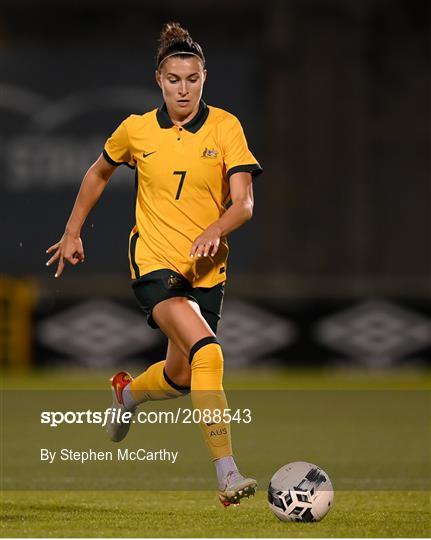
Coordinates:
181	81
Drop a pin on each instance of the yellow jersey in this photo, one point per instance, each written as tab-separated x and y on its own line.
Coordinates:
182	182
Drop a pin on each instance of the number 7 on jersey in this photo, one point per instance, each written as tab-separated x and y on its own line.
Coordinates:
180	186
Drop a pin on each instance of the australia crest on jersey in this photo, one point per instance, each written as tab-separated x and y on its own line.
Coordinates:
209	153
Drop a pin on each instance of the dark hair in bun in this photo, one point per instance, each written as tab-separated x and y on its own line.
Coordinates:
176	39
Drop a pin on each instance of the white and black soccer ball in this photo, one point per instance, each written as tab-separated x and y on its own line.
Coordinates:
300	491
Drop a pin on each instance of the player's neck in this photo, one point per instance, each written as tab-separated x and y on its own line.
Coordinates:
179	120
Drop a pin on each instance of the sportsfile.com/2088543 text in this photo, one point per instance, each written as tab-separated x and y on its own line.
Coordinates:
180	416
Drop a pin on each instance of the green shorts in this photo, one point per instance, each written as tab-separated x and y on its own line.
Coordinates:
154	287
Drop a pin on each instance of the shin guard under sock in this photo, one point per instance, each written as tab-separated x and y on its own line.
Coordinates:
208	396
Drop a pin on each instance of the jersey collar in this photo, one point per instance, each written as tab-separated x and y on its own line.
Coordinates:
192	125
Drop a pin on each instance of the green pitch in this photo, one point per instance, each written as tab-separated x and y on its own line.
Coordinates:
198	514
354	424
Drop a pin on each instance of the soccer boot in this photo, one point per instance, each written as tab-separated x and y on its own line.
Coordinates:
118	430
237	487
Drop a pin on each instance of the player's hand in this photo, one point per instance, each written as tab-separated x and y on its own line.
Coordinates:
68	249
206	243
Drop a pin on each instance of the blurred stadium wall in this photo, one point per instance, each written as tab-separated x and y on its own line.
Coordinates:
334	96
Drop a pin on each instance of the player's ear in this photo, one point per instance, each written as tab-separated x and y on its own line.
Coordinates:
158	78
205	75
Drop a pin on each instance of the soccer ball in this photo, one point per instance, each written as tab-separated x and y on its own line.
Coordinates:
300	491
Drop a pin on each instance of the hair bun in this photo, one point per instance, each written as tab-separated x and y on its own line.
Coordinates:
173	32
174	38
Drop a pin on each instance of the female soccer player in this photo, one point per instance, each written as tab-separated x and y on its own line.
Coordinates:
191	160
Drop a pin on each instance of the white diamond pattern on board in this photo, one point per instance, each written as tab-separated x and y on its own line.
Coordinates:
247	332
97	332
376	333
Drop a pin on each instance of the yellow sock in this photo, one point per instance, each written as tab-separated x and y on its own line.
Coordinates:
208	395
155	385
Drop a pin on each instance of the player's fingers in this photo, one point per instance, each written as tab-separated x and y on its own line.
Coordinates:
207	247
201	250
195	249
74	259
216	246
53	258
79	255
55	246
60	267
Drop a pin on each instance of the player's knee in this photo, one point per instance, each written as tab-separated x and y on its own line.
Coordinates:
206	353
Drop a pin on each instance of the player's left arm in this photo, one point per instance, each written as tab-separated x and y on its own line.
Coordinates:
241	210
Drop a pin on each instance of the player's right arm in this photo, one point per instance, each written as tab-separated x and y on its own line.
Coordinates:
70	247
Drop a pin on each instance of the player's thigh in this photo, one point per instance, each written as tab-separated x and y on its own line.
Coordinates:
181	321
177	365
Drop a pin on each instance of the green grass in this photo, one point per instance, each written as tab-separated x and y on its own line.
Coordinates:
198	514
260	379
371	432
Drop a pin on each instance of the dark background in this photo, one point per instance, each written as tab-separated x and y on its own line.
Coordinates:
334	96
